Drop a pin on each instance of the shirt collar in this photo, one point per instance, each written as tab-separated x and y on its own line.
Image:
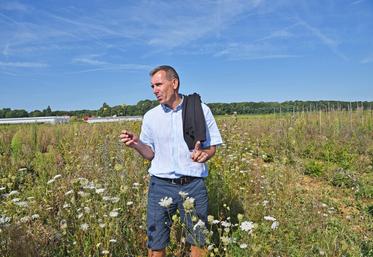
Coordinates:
178	107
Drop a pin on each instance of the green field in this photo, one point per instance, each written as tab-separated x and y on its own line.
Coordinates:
297	184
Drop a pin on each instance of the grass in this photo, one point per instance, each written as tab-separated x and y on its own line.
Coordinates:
304	182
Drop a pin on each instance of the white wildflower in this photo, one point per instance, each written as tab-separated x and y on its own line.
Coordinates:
265	202
106	198
25	219
210	247
226	224
269	218
22	169
225	240
13	192
113	214
166	202
83	194
14	200
183	194
243	246
102	225
112	240
80	215
105	252
84	226
2	188
100	190
129	203
200	224
23	204
4	220
83	181
215	222
90	185
87	209
188	204
115	199
247	226
66	205
69	192
275	225
35	216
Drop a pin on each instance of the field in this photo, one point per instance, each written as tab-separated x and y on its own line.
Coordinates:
298	184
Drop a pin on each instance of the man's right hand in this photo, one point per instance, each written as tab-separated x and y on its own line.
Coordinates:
129	139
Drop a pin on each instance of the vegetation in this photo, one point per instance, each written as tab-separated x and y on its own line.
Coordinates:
217	108
295	184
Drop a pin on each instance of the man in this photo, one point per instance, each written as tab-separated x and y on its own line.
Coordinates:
176	171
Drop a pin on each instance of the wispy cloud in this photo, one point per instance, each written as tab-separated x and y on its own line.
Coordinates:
89	61
283	33
112	67
253	51
324	39
13	6
368	59
357	2
213	17
23	65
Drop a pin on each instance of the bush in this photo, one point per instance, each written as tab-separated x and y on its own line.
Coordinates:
343	178
314	168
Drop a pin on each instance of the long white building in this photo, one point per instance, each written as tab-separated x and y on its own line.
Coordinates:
114	119
47	119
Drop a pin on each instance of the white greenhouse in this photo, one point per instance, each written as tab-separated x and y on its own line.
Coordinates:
47	119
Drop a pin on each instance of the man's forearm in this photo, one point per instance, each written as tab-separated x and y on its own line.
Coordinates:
144	150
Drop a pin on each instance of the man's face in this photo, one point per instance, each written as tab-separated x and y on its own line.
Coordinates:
164	90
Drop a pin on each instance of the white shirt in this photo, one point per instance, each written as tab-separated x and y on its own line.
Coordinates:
162	130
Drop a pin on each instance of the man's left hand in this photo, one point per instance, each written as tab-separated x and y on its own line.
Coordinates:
198	155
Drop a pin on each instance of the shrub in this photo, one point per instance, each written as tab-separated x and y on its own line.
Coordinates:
343	178
314	168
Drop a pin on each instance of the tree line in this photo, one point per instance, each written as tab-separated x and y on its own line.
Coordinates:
217	108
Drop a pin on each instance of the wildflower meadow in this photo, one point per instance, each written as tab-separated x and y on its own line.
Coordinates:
291	184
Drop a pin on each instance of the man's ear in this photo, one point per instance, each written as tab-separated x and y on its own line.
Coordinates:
175	84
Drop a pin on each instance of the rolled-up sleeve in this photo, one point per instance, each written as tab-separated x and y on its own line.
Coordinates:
213	136
146	133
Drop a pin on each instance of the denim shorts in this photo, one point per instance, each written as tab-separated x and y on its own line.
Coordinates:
159	218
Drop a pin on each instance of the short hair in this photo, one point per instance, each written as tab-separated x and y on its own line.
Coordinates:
170	72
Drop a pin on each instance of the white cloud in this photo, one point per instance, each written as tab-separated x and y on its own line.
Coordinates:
13	6
368	59
23	64
115	67
357	2
254	51
89	61
210	19
327	41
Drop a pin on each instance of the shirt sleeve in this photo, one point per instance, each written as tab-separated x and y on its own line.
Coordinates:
213	136
146	133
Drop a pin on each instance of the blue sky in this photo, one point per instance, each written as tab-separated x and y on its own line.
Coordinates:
79	54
